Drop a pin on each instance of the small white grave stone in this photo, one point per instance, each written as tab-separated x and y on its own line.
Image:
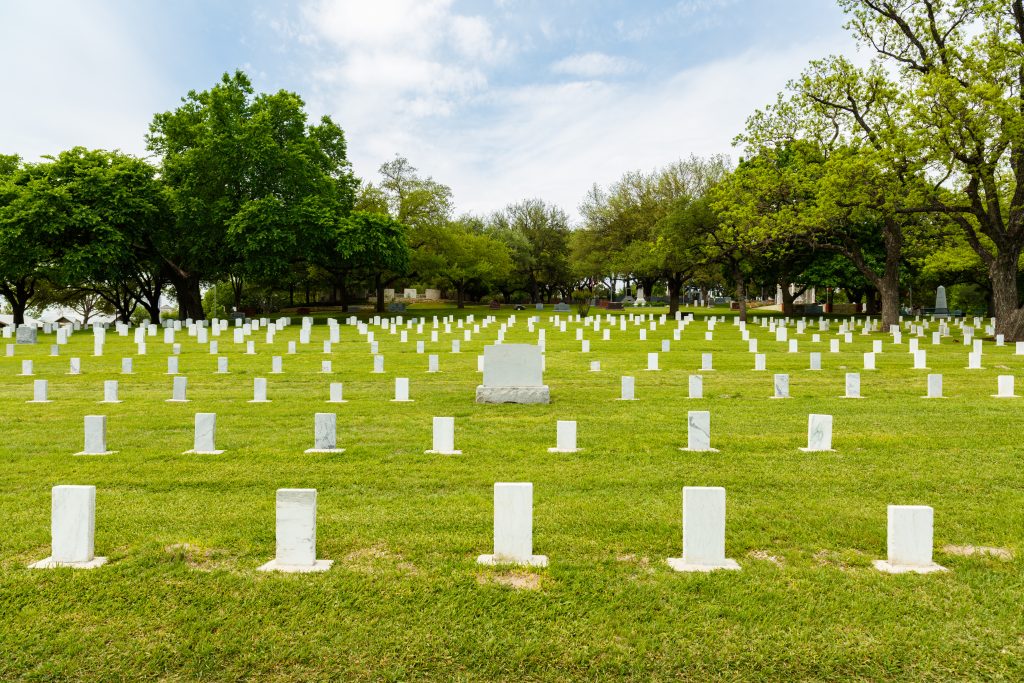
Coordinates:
513	527
205	435
72	529
703	531
444	437
819	433
325	434
95	436
909	540
296	534
565	437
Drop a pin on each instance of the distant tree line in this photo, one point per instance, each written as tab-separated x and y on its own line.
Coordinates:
872	184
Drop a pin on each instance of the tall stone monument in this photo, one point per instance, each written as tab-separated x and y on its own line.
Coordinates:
513	373
941	310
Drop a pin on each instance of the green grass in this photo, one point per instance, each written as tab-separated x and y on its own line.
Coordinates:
181	598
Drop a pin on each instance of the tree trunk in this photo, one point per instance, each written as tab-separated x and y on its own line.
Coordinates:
889	293
788	297
675	283
741	292
1005	297
237	285
190	300
378	288
459	297
18	309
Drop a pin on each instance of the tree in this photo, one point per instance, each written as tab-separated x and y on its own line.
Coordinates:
464	254
536	235
252	185
422	205
940	106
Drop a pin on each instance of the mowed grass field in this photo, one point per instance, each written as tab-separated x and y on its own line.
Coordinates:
181	598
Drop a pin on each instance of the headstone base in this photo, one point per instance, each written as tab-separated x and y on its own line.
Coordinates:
442	452
680	565
818	450
541	394
255	401
885	566
50	563
324	450
318	566
564	450
700	450
38	401
177	400
195	452
494	560
95	453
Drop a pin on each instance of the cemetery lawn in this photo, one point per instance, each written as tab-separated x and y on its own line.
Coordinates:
181	599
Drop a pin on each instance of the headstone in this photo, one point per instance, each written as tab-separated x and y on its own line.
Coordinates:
852	385
276	365
296	534
222	365
819	433
336	395
513	527
433	363
110	391
172	365
205	436
909	541
703	531
652	362
325	434
444	437
26	334
259	390
706	362
869	361
781	385
1005	387
698	431
95	436
628	389
941	309
126	366
178	390
39	391
815	360
565	437
513	373
401	390
759	362
934	386
72	529
26	368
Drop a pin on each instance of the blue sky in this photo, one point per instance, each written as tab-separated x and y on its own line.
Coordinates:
500	99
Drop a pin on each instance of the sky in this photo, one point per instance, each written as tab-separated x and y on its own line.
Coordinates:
502	100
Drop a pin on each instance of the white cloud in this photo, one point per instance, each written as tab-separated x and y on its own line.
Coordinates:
593	65
75	75
554	141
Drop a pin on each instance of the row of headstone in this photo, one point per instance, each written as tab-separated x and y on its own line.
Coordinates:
910	530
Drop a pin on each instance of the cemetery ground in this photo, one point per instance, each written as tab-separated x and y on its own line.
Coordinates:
181	598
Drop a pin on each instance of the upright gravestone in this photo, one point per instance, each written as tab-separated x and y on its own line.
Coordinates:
26	334
941	310
513	373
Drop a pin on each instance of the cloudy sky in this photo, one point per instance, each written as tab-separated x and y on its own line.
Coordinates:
500	99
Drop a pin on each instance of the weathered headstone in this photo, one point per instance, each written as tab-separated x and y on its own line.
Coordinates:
296	534
513	373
